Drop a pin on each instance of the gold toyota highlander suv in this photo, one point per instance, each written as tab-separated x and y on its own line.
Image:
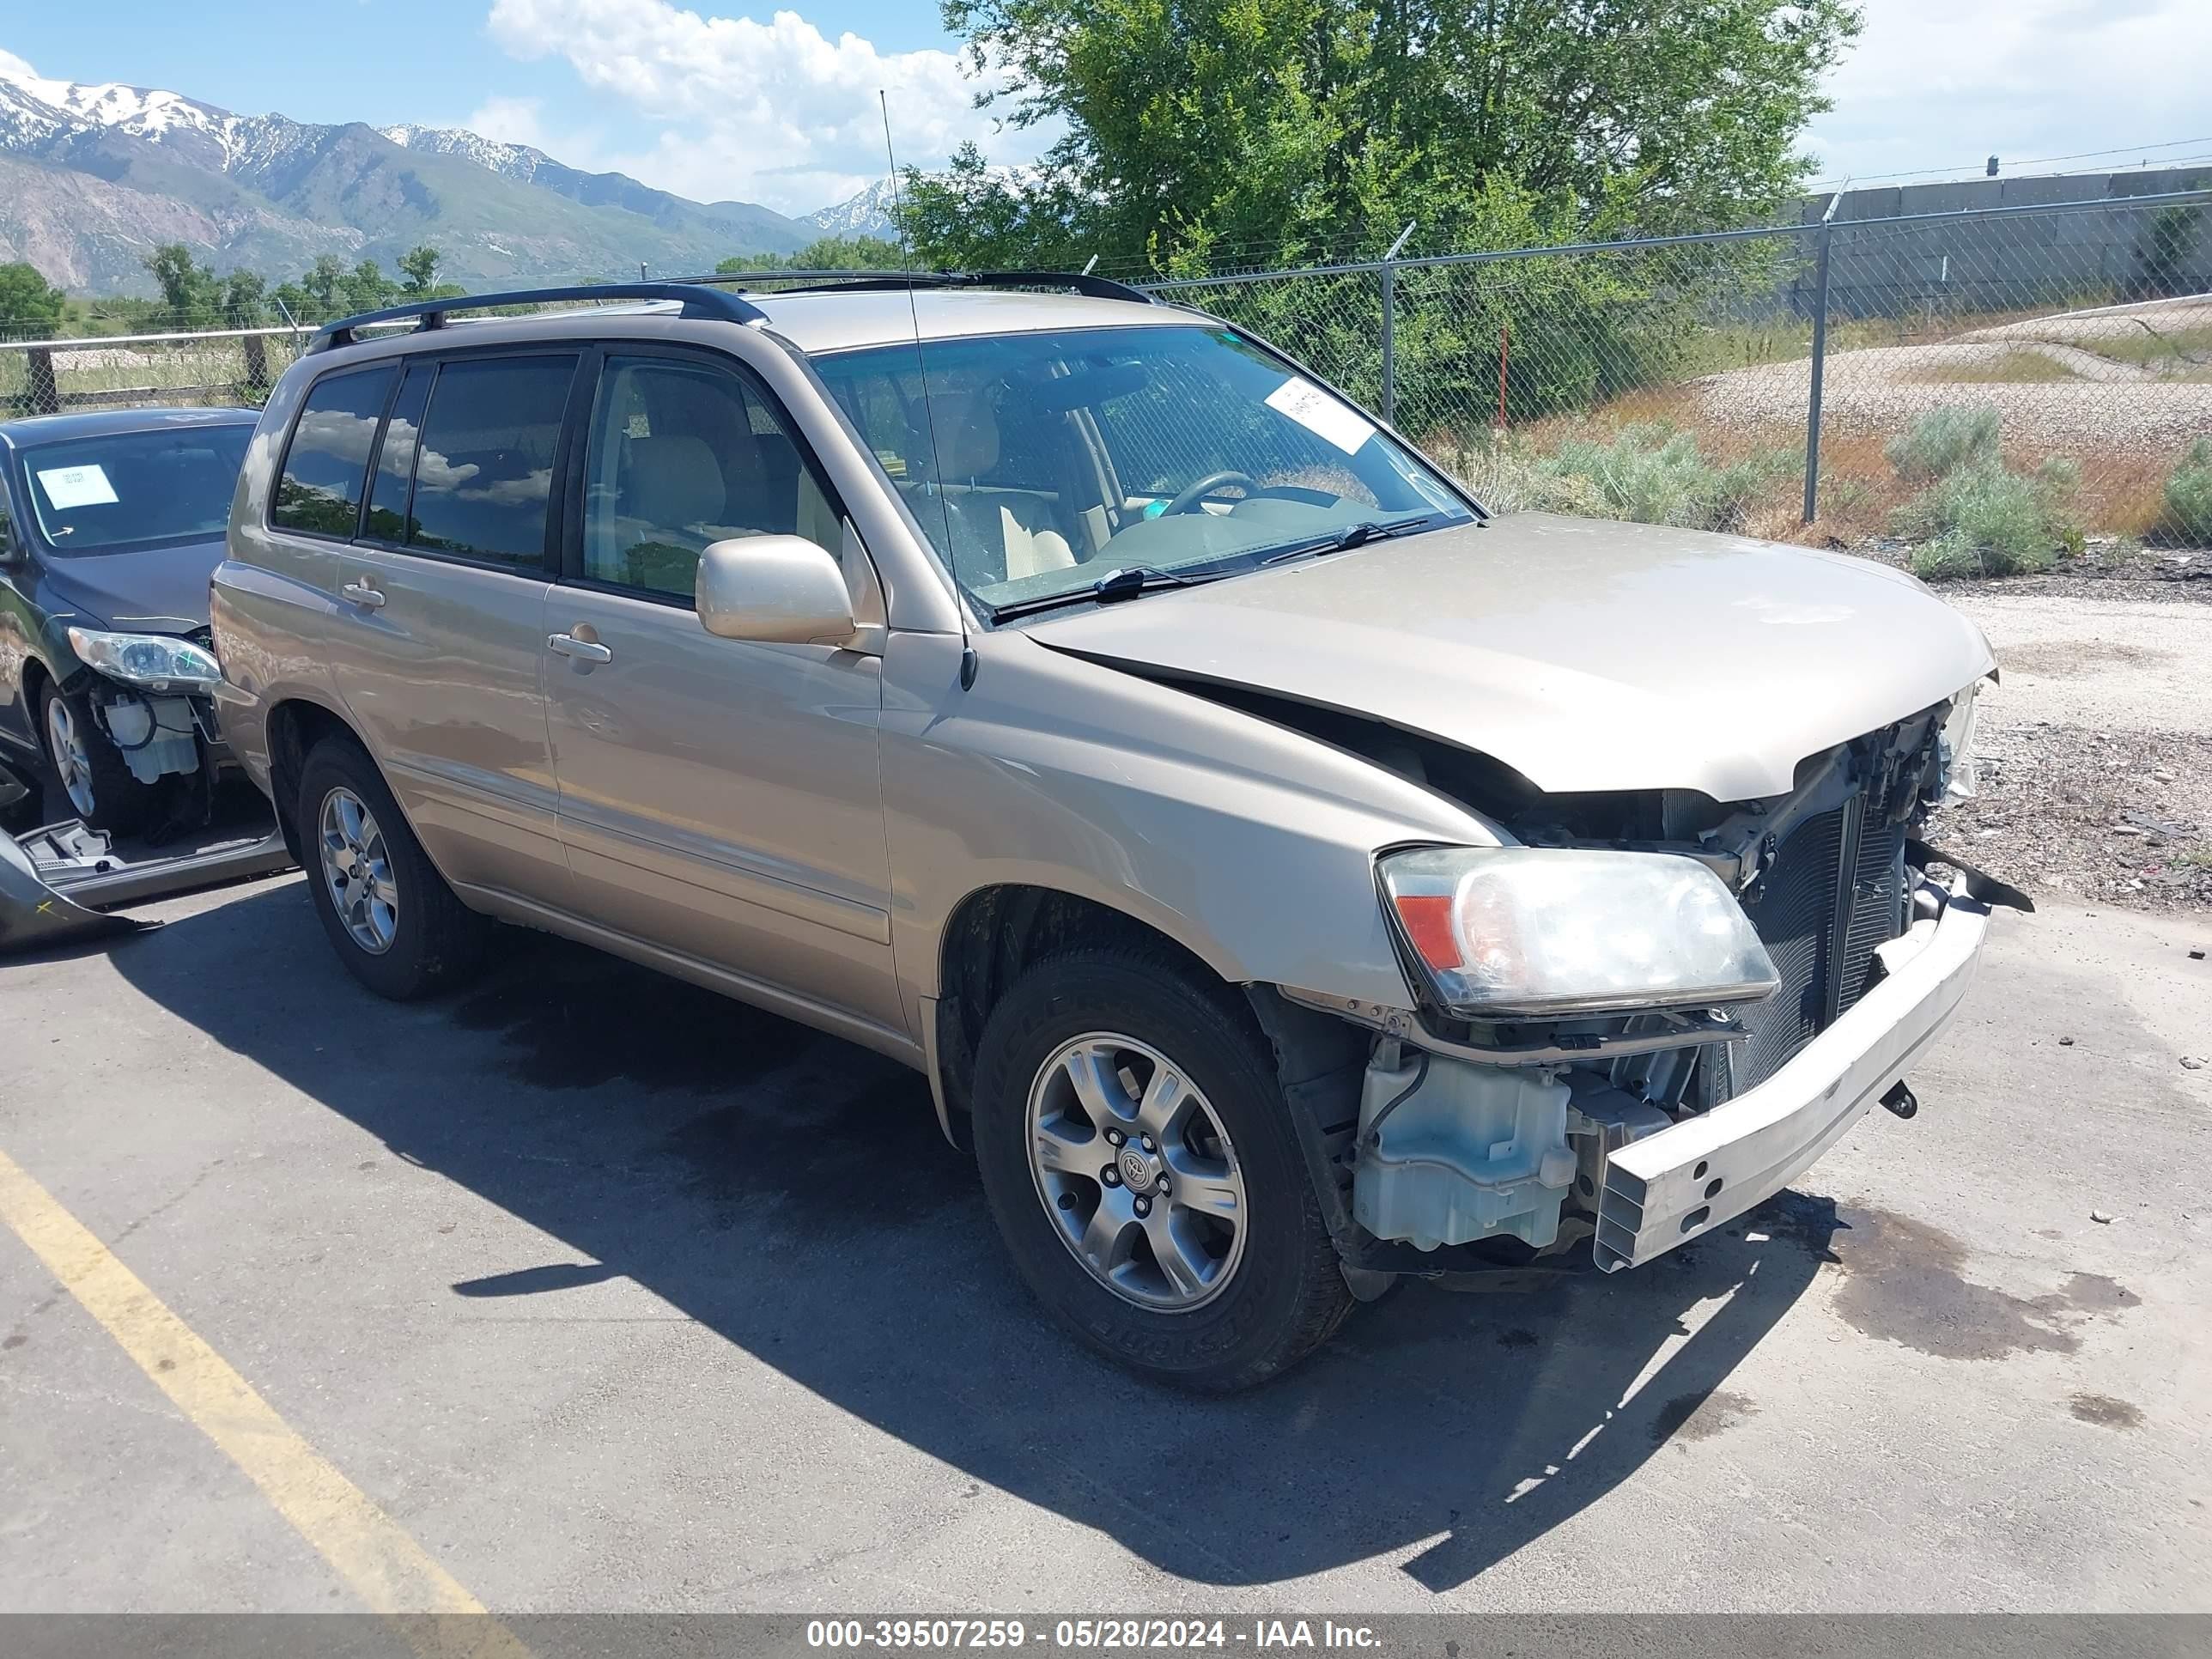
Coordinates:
1287	874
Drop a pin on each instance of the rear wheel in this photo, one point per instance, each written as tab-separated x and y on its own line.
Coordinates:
90	769
1141	1165
390	915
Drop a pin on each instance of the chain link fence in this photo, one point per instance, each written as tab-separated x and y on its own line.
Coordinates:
199	367
1993	387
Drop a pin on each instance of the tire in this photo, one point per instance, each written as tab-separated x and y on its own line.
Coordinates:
1277	1292
95	778
430	941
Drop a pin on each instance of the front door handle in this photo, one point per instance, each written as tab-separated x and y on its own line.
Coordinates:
362	594
568	644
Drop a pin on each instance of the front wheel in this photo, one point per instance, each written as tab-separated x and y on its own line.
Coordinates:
1141	1165
90	769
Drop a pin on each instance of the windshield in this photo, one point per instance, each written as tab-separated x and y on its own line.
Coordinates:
1039	463
135	489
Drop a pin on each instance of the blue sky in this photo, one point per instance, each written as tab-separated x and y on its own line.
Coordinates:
732	100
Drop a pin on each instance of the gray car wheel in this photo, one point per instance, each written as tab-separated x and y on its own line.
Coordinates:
1199	1259
1135	1171
389	914
94	777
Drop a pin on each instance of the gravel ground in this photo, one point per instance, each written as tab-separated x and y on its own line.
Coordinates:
1883	389
2112	406
2106	571
2096	749
2164	317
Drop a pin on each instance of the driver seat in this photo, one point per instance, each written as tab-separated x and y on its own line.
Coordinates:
1018	525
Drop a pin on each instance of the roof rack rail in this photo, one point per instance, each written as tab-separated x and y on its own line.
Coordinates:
849	282
697	299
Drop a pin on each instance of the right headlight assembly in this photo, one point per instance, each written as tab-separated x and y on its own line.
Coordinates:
1540	933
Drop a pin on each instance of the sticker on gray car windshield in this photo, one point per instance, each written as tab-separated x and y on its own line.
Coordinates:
76	486
1320	414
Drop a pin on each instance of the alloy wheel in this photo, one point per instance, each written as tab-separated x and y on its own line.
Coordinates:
357	871
72	760
1135	1171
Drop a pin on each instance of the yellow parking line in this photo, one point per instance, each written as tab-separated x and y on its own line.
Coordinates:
385	1568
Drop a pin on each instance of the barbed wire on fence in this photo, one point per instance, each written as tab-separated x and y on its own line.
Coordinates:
1994	385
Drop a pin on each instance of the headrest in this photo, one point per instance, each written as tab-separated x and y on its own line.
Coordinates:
967	435
674	480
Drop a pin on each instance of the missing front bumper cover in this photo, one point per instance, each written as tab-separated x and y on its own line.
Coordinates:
1671	1187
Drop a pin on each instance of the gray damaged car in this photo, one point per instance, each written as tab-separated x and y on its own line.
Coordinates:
1288	875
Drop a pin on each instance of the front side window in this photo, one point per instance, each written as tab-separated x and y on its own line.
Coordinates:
682	455
126	491
319	490
1038	463
483	460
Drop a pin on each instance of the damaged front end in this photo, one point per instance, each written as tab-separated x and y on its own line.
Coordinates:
1652	1013
152	696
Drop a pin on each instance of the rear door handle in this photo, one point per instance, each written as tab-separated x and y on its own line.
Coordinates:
568	644
362	594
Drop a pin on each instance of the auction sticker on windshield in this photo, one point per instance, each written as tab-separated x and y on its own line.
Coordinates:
76	486
1320	414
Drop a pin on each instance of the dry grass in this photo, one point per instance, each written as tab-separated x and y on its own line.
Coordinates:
2149	346
2023	368
2120	494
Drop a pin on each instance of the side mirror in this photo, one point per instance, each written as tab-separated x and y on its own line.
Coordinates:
774	589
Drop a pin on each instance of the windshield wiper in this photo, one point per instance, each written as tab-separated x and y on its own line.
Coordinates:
1125	583
1351	536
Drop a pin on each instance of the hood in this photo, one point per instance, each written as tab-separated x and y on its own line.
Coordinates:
156	590
1586	655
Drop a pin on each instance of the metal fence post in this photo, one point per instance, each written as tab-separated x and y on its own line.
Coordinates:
1390	327
1820	361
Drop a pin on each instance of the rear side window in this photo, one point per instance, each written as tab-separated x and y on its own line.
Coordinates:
320	489
395	462
483	465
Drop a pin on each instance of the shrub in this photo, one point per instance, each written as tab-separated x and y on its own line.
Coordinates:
1982	521
2189	496
1653	475
1944	439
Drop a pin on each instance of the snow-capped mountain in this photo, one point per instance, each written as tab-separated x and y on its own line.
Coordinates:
516	161
93	176
869	213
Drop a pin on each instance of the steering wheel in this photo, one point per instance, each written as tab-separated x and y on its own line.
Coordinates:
1186	499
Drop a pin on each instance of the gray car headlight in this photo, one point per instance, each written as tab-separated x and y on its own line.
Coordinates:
1534	932
153	660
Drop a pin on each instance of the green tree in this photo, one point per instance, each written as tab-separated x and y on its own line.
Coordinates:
418	271
1245	131
973	217
823	253
324	286
244	298
30	306
191	292
367	287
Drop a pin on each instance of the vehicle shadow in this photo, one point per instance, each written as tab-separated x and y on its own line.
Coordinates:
791	1194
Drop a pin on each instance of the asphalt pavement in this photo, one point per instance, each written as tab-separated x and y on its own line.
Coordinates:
601	1293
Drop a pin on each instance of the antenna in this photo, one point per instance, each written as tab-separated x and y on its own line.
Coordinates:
929	411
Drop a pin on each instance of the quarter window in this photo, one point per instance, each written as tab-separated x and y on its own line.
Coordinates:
395	462
682	455
484	464
320	491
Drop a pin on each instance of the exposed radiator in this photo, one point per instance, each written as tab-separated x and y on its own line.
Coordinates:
1833	895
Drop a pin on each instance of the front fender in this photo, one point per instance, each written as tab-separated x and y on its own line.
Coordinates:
1250	845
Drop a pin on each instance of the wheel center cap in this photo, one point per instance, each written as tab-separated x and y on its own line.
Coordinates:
1140	1170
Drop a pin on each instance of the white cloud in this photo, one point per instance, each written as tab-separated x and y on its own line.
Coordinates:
1944	85
774	111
